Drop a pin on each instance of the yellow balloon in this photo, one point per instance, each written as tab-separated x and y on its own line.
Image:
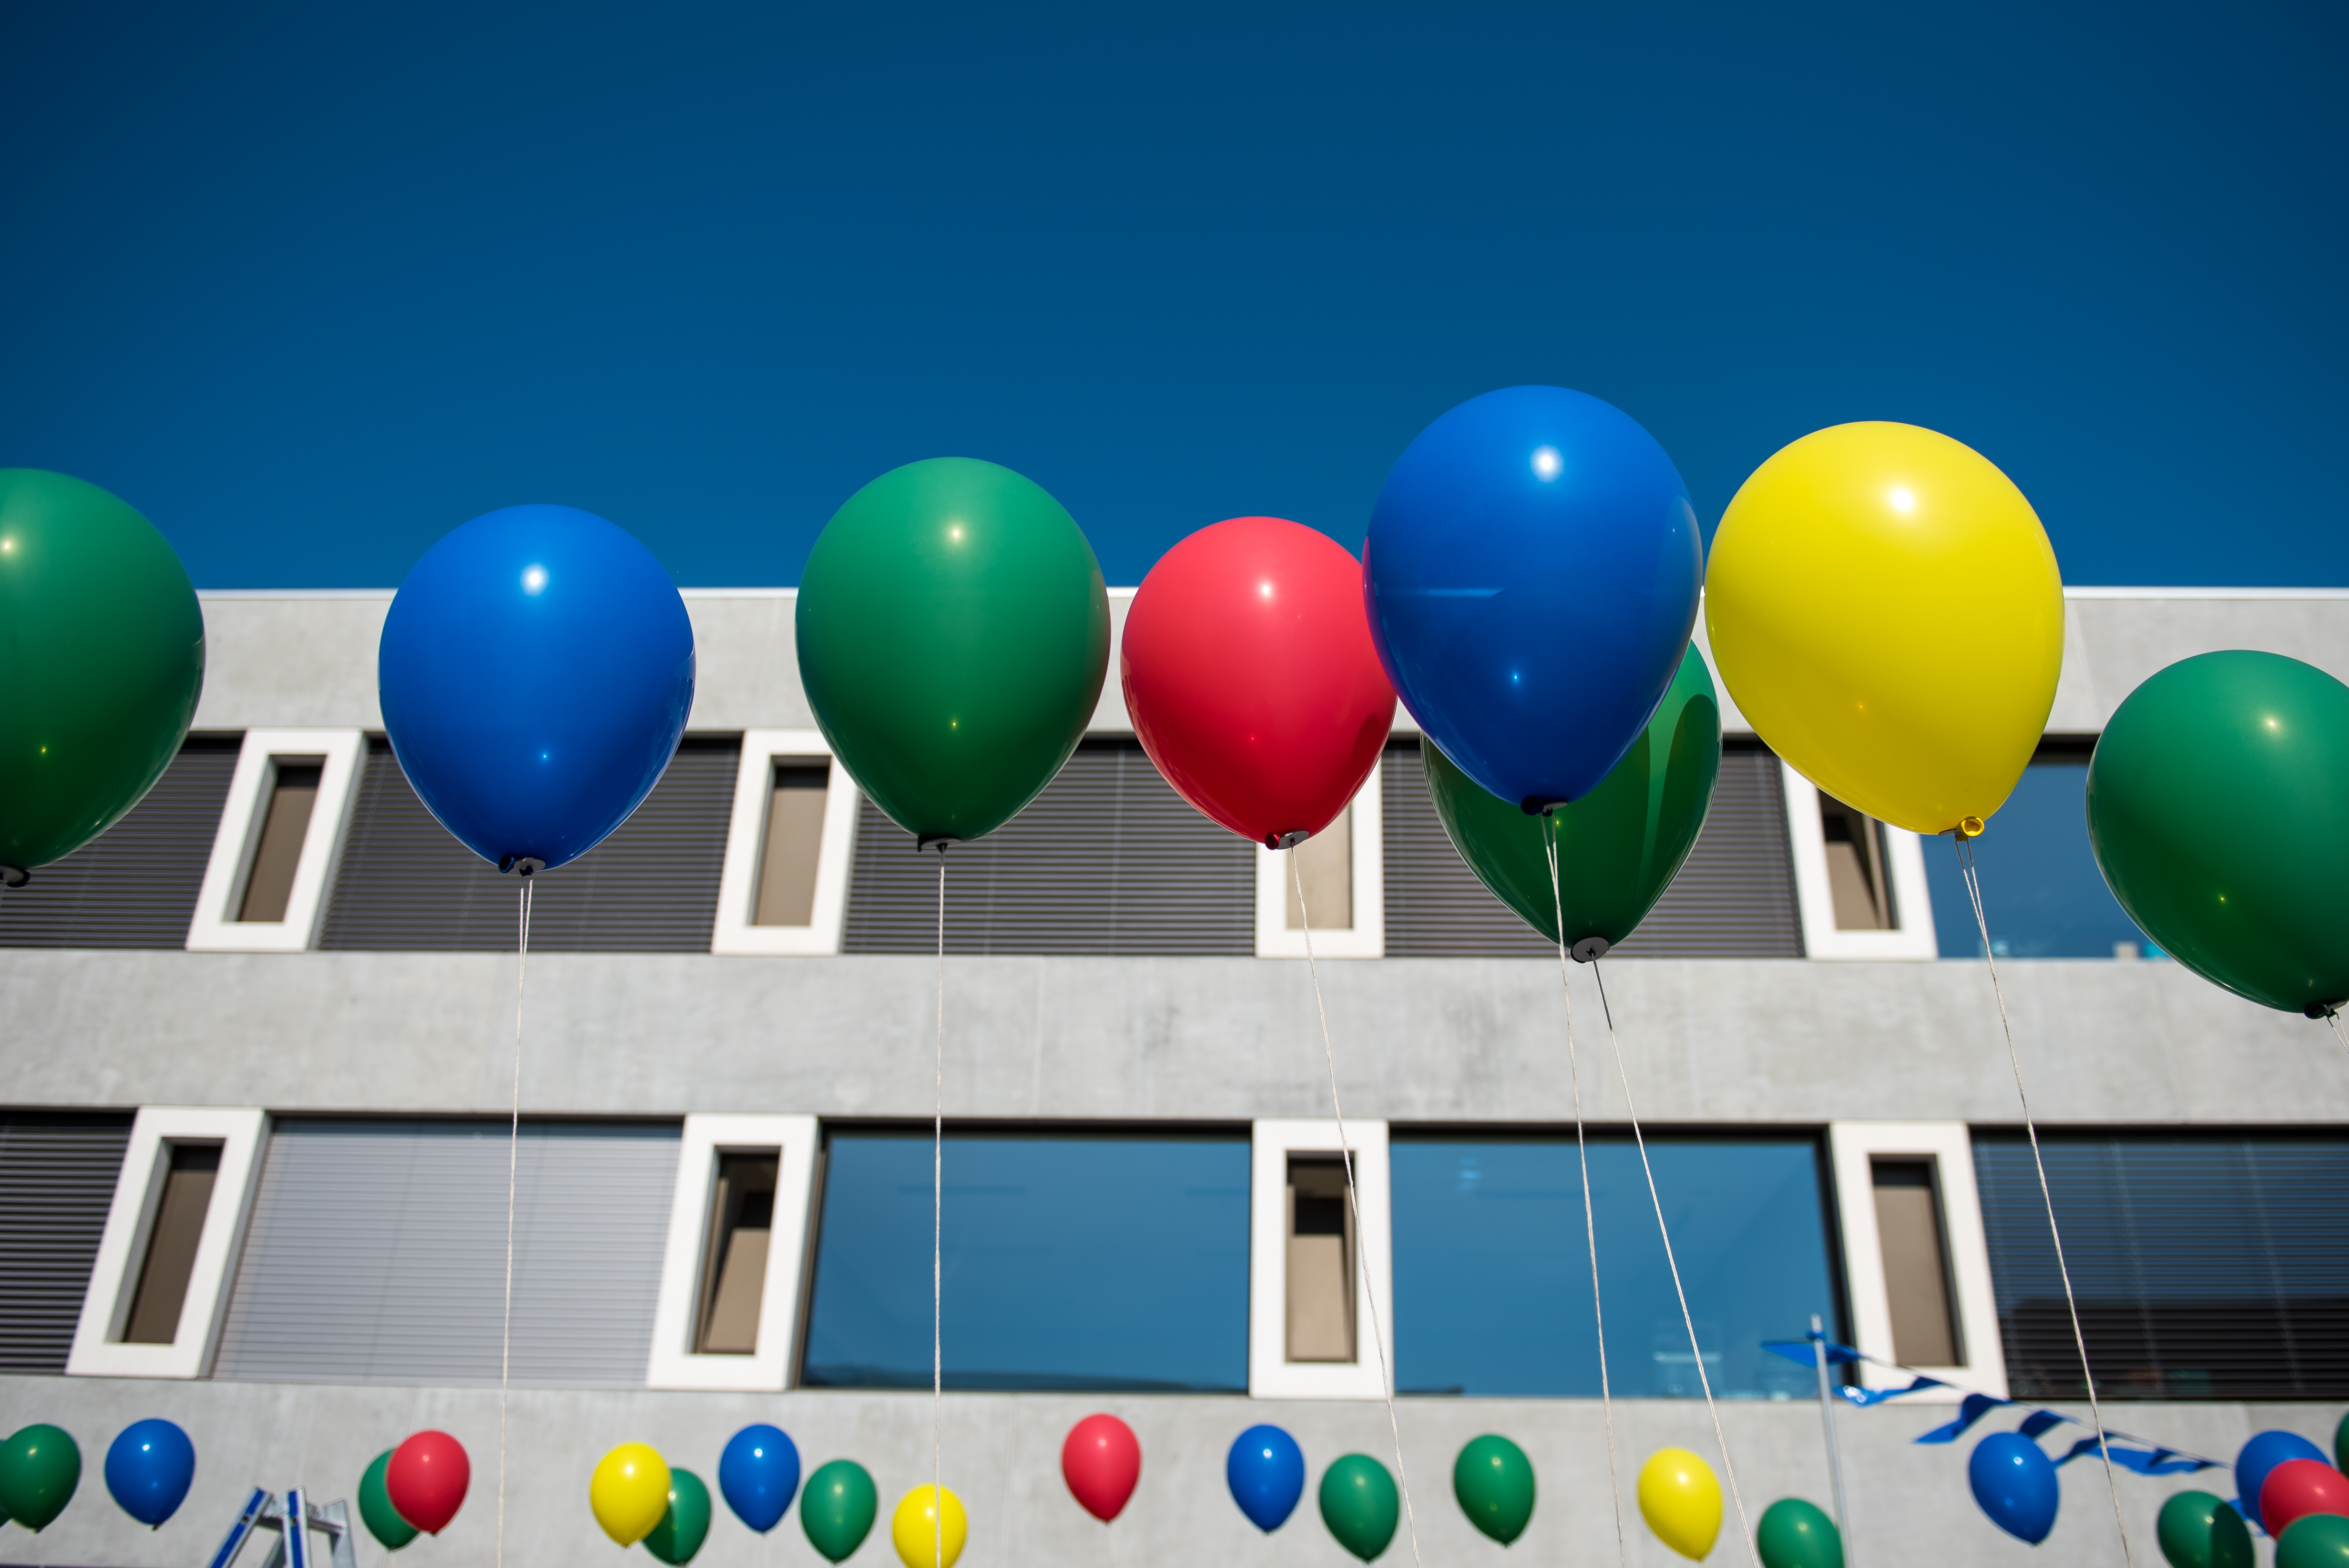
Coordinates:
1680	1502
629	1492
923	1530
1886	609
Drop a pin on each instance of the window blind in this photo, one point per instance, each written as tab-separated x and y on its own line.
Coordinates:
57	1172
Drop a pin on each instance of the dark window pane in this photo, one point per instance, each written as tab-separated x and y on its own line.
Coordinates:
1071	1262
2042	893
1493	1276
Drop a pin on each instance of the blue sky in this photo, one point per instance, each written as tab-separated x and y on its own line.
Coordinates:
311	285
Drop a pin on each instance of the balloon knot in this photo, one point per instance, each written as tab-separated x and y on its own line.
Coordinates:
1287	840
1540	806
1591	949
939	841
528	865
14	876
1968	827
2322	1009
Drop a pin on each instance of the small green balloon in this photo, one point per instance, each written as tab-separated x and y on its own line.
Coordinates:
1360	1505
1796	1534
2313	1541
2340	1445
1620	846
2196	1529
837	1507
382	1519
2217	811
686	1525
953	634
101	660
39	1468
1495	1483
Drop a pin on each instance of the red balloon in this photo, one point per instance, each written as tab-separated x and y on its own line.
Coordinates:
1102	1460
427	1479
2297	1488
1251	679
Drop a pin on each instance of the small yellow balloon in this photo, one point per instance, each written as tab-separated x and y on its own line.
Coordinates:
1885	608
1680	1502
929	1533
629	1492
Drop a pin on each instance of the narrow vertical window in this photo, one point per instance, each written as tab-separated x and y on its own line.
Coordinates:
293	793
1857	874
1320	1262
171	1244
1325	863
734	1265
1910	1231
794	840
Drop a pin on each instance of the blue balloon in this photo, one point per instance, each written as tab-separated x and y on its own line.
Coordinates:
1531	576
149	1470
1267	1475
2014	1481
2261	1454
759	1473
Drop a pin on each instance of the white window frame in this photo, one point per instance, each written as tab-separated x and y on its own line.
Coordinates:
1853	1148
98	1351
674	1362
1912	898
1271	1374
215	928
1367	937
746	836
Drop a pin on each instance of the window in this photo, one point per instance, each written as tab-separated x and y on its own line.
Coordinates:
292	791
2042	893
1859	879
734	1272
1493	1274
1071	1262
1316	1259
794	841
277	842
1860	884
1325	864
57	1173
136	884
729	1312
1320	1304
784	887
1343	868
1916	1269
177	1227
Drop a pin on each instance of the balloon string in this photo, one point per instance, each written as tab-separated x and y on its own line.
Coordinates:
938	1246
1582	1155
513	1155
1696	1352
1971	876
1354	1202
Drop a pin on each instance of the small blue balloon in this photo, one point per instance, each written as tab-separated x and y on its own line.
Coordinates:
1531	576
535	672
149	1470
2264	1453
1267	1475
759	1473
2016	1483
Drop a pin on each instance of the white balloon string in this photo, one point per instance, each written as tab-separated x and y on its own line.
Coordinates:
513	1155
938	1246
2332	1016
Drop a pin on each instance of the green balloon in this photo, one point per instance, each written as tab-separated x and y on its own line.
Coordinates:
382	1519
1795	1534
39	1468
2313	1541
836	1509
686	1525
1620	846
2198	1530
2340	1445
2219	809
1495	1483
953	634
101	659
1358	1504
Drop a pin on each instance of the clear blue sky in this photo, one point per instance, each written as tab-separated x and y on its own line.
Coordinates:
312	285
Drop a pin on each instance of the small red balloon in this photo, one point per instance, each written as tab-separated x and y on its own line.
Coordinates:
2298	1487
1251	679
427	1479
1102	1460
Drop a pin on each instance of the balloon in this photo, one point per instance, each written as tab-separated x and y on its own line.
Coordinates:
1795	1534
1680	1500
2341	1444
100	664
1102	1460
686	1525
382	1519
837	1511
1620	846
2261	1454
1886	609
2217	811
928	1528
148	1468
2299	1487
1266	1471
1251	679
1495	1483
1531	574
1360	1505
535	671
758	1472
2315	1541
39	1469
2014	1481
2198	1530
427	1479
629	1492
953	634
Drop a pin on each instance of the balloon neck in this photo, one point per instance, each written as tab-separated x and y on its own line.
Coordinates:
939	841
1540	806
1287	840
528	865
2324	1009
14	876
1591	949
1968	828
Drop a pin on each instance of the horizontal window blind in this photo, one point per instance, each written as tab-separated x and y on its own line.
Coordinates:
135	885
1107	860
377	1253
57	1172
651	887
2205	1268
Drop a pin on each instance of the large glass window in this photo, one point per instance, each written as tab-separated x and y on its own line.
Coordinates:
1493	1274
1069	1262
2043	895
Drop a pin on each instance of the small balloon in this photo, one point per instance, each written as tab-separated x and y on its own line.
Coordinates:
40	1466
928	1528
1680	1500
2340	1445
2314	1541
2014	1481
376	1511
1796	1534
2265	1452
2299	1487
629	1492
427	1479
686	1525
1360	1505
1102	1461
758	1472
148	1468
2196	1529
838	1511
1493	1480
1266	1472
